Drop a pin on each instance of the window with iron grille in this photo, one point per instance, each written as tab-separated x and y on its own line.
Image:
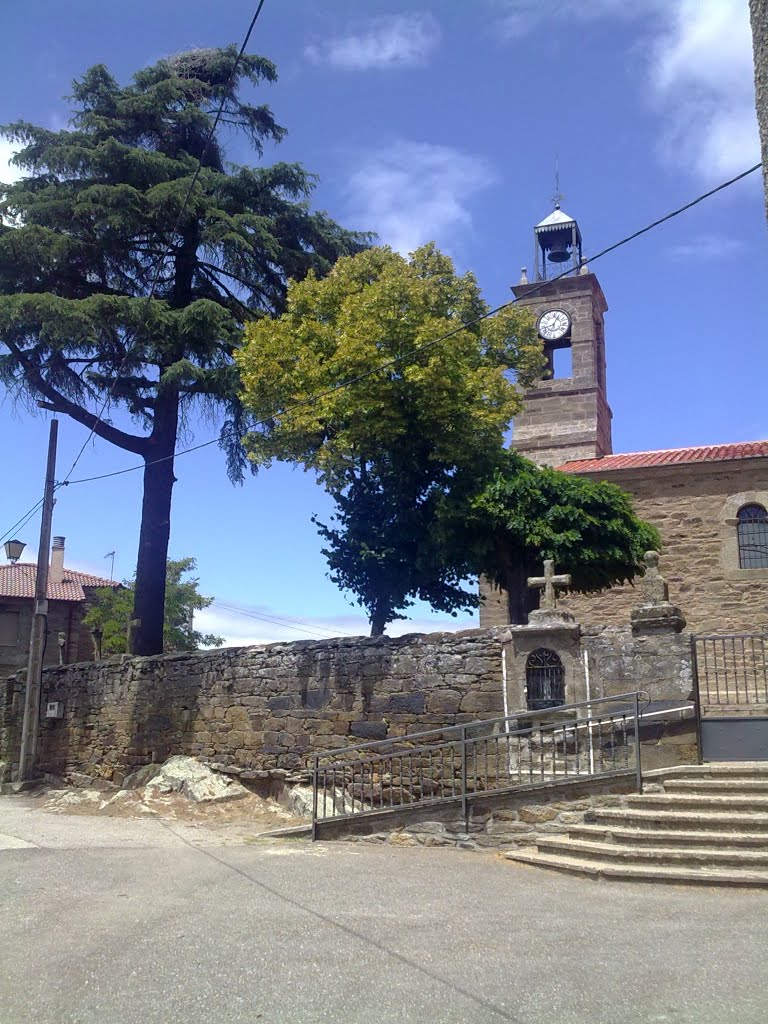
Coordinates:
544	680
753	537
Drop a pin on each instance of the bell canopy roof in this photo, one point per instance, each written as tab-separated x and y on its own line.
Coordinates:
557	219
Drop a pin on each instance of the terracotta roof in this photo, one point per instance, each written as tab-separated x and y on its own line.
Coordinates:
669	457
19	581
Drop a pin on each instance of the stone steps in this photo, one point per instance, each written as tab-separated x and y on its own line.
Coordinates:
679	837
715	786
700	801
642	872
602	850
717	820
711	770
704	824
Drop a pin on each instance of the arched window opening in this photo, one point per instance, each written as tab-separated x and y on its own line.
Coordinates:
753	537
544	680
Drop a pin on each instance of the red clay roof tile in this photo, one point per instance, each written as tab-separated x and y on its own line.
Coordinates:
19	581
669	457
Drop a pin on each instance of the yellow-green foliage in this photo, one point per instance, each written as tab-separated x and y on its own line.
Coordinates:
372	308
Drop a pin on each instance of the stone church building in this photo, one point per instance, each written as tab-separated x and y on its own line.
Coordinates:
710	504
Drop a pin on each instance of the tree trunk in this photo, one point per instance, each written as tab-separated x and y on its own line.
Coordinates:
520	598
378	620
149	596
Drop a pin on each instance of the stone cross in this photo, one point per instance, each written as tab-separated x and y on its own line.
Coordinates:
548	584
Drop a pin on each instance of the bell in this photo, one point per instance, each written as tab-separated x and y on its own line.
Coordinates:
558	256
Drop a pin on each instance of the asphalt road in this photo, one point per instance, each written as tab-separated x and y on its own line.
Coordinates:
141	922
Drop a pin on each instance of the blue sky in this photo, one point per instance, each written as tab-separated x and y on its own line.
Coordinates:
443	121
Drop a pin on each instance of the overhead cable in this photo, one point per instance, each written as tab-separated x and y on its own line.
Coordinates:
435	341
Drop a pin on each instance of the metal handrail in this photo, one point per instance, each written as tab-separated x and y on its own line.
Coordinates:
575	724
451	743
514	716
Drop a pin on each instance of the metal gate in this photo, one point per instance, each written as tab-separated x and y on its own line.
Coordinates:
731	686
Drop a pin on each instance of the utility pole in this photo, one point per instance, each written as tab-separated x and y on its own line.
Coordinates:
30	726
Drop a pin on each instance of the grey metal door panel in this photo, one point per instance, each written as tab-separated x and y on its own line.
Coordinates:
734	739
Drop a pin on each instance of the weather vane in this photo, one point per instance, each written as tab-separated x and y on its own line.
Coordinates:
558	197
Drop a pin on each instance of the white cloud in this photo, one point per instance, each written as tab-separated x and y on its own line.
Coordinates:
8	171
397	41
417	192
519	17
243	628
706	247
702	74
696	61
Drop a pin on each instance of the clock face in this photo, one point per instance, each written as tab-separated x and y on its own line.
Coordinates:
554	324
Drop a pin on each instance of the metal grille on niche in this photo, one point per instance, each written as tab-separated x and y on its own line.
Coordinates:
544	680
753	537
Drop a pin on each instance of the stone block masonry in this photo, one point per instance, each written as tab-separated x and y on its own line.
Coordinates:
260	707
500	822
273	707
694	508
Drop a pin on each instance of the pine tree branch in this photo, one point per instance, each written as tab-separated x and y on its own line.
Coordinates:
64	405
227	273
219	284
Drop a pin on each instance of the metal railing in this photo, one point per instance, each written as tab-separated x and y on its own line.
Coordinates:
730	668
455	763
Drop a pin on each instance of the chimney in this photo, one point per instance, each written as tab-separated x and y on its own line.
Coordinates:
56	570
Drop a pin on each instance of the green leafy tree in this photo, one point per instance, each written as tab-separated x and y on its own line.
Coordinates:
525	514
397	446
112	609
102	206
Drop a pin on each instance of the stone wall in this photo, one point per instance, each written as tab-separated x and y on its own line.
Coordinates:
620	662
694	508
272	707
259	707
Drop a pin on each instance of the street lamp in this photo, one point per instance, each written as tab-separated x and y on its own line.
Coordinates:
13	549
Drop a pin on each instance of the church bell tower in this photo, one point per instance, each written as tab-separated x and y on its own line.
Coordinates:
566	415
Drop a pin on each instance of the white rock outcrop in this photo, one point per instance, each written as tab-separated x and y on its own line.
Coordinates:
299	803
196	781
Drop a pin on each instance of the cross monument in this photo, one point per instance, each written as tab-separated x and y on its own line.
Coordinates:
548	583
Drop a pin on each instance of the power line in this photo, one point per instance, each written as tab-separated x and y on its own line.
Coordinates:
411	352
287	624
435	341
675	213
169	245
277	620
23	521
